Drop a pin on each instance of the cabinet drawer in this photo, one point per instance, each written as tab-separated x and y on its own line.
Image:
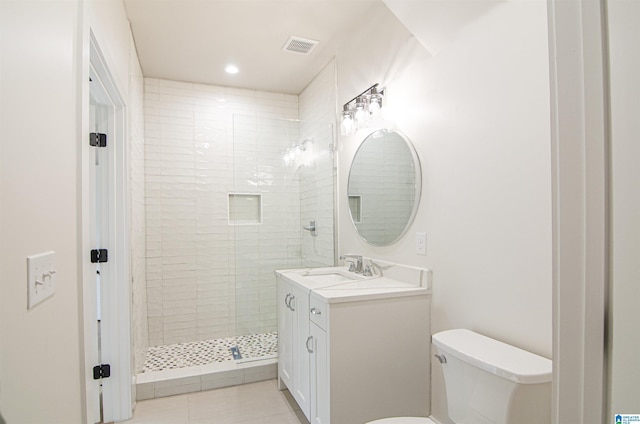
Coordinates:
318	312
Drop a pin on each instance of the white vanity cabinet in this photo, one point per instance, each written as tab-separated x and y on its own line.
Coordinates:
293	340
370	358
354	349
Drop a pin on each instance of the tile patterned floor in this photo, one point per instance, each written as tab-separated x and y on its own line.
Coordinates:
182	355
256	403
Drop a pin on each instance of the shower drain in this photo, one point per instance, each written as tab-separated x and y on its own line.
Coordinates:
236	352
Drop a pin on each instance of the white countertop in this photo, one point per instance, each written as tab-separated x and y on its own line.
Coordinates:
304	277
337	284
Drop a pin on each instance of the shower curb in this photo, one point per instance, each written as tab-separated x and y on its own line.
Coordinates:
151	385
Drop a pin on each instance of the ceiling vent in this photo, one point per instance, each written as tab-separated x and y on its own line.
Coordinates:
299	45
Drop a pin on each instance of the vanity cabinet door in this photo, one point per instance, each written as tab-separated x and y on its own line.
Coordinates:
319	372
300	308
293	332
285	335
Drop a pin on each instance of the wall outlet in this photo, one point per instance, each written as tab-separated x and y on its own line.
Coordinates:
41	281
421	243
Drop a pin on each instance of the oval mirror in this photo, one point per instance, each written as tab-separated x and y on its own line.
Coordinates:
384	187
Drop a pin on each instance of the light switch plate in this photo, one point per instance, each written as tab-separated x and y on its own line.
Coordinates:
41	277
421	243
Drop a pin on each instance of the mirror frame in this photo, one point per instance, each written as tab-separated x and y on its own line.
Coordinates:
417	186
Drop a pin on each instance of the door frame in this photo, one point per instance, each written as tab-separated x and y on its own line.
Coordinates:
580	190
115	296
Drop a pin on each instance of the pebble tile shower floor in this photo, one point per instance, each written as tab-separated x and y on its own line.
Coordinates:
182	355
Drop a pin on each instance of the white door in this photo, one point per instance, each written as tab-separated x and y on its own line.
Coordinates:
91	286
106	282
101	117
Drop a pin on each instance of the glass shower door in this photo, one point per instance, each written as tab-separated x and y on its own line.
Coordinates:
283	179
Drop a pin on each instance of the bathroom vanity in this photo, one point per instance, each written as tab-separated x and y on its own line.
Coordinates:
355	348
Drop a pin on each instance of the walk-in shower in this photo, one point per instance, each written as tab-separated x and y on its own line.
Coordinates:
228	193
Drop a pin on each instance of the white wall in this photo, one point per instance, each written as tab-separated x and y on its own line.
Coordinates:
477	110
40	115
625	151
44	49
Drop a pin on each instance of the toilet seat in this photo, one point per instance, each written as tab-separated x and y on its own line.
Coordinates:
403	420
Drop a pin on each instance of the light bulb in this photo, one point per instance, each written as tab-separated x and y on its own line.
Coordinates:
347	124
375	104
362	113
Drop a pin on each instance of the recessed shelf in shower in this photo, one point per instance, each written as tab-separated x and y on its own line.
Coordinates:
245	208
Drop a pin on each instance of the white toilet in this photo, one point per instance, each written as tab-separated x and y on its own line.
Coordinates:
489	382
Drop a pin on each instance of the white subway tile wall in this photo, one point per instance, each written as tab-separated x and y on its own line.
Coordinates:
207	279
317	186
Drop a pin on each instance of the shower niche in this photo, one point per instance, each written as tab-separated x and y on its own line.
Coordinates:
227	197
245	209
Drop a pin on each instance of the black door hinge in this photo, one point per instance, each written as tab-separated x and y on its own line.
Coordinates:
101	371
99	255
98	140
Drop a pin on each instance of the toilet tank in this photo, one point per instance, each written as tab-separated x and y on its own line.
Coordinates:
490	382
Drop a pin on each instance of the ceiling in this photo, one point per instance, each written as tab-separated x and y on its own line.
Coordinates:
194	40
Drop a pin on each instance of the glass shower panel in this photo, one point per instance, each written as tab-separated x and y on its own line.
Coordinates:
317	194
283	178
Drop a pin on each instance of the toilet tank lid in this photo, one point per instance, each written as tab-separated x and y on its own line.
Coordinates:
494	356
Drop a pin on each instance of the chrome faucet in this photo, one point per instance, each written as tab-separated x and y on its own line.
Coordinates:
368	271
356	265
372	269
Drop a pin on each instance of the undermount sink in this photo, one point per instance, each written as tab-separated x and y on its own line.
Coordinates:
330	275
330	278
373	283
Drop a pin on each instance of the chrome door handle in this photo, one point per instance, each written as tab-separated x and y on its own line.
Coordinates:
286	300
315	311
309	339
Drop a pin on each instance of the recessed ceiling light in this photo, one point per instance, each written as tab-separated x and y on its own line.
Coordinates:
231	69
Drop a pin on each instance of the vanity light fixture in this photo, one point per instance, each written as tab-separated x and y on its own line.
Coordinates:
359	110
